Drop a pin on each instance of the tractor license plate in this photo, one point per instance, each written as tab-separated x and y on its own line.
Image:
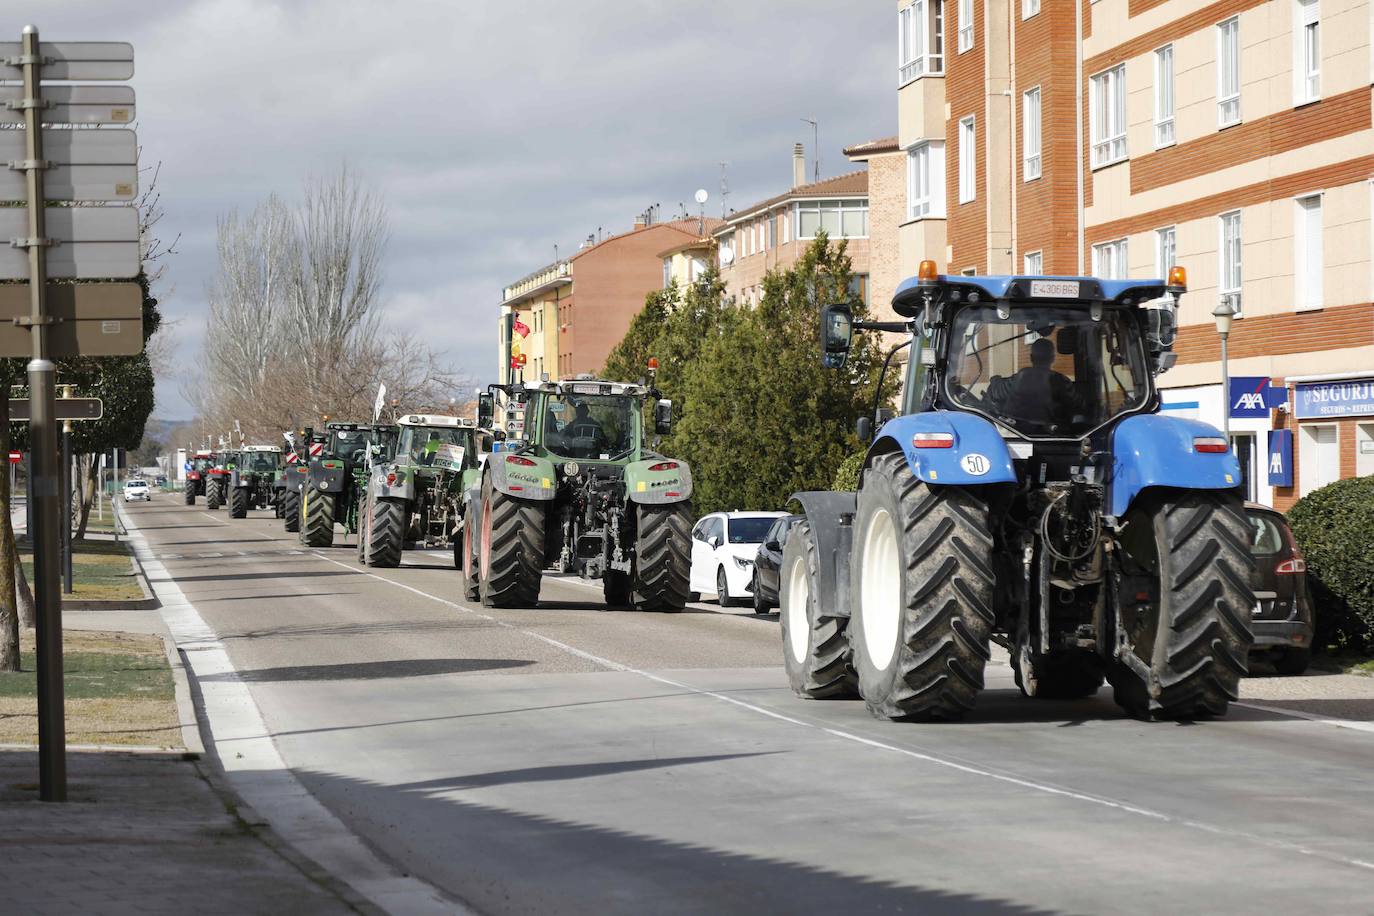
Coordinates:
1054	289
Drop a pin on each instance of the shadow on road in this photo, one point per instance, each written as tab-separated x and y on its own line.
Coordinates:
367	671
560	773
601	607
273	597
267	575
368	628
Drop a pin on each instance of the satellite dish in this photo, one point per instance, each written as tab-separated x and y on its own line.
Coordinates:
727	254
702	196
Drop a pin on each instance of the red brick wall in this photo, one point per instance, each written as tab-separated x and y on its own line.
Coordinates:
965	90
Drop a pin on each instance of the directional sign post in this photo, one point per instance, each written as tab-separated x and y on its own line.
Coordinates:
66	409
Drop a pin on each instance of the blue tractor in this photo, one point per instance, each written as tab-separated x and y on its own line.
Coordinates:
1030	495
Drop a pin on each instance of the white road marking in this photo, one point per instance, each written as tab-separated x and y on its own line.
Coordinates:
1312	717
1046	788
256	769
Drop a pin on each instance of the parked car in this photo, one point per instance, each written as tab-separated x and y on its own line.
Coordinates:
724	545
136	489
768	563
1282	619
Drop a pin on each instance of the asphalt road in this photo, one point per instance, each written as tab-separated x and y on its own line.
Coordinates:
567	759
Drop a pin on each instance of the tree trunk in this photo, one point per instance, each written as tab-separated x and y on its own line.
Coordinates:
9	605
87	468
28	613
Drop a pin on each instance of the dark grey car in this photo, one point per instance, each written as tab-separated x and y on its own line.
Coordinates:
1282	619
768	563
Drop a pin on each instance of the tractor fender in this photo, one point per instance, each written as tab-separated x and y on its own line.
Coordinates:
402	488
234	480
979	454
297	478
672	483
1150	450
327	479
523	476
831	517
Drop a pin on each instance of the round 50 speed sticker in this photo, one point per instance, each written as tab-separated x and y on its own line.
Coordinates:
975	464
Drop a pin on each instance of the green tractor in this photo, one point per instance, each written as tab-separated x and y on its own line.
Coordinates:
336	478
251	483
295	476
418	492
581	493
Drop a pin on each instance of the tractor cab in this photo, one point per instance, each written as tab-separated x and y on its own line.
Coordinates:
260	459
440	442
586	419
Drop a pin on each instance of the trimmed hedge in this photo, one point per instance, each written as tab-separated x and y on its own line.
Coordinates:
847	474
1334	526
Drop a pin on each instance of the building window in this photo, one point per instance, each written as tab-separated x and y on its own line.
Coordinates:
965	25
727	248
1033	263
1109	260
969	271
920	40
1164	96
925	180
1030	134
1229	260
1307	235
1029	8
773	230
667	272
761	227
1307	52
839	218
1108	116
858	287
968	152
1228	72
1166	251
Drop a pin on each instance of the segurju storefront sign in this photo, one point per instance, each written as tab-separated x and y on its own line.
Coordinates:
1325	400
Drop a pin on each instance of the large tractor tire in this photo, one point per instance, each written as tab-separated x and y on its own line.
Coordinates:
317	524
386	523
663	558
238	502
511	549
923	583
291	511
1187	646
815	645
188	492
212	495
466	558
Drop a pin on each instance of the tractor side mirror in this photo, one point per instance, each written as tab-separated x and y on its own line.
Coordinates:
837	335
663	417
863	427
486	409
1160	328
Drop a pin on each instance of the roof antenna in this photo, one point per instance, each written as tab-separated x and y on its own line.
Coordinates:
724	187
815	145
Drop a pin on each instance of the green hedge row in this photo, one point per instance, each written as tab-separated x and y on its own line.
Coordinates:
1334	526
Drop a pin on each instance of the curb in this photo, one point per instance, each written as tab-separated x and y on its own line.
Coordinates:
187	714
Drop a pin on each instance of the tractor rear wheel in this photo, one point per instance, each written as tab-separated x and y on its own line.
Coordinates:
317	528
511	549
212	494
663	557
815	645
188	492
291	510
467	558
923	584
385	530
1184	648
238	502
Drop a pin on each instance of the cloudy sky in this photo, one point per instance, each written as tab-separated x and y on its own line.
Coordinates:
494	129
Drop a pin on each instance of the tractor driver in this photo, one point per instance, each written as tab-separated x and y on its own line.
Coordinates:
428	450
584	425
1037	393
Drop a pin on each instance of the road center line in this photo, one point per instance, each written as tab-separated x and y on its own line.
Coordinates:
1046	788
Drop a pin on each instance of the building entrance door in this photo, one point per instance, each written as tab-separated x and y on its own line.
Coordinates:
1244	446
1320	456
1364	449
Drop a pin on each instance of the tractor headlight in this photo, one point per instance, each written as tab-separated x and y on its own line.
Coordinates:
743	562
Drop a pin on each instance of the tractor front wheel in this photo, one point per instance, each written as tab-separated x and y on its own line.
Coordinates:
467	559
923	584
238	502
386	523
663	557
815	645
188	492
212	494
317	528
511	549
1183	648
291	510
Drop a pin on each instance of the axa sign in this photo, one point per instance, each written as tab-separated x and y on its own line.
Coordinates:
1280	458
1253	396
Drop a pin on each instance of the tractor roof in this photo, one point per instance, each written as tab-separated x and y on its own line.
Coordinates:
1062	291
587	384
420	419
262	448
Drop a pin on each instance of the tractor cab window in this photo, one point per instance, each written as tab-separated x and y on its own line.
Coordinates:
424	443
201	464
260	462
590	426
1046	371
350	445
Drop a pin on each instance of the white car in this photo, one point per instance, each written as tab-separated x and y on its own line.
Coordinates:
724	545
137	489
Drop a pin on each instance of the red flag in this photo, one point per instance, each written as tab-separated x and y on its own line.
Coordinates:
521	328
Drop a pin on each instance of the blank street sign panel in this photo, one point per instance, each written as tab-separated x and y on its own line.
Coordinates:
73	104
67	409
93	243
90	165
95	319
73	60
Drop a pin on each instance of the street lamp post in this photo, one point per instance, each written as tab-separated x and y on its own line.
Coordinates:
1223	315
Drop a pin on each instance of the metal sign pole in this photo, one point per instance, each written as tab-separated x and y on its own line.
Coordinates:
52	737
68	479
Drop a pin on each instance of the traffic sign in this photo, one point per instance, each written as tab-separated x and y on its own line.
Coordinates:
91	243
73	104
96	319
16	457
87	165
67	409
71	60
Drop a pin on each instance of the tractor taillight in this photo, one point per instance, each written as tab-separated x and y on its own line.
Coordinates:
516	459
390	479
664	466
1291	567
933	440
1212	445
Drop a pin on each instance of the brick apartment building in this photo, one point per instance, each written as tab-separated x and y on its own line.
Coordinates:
577	309
773	233
1120	137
